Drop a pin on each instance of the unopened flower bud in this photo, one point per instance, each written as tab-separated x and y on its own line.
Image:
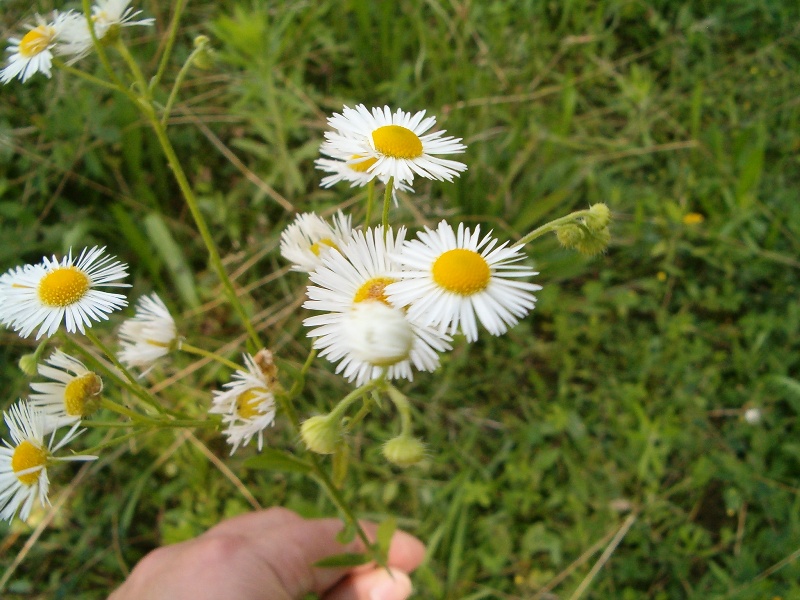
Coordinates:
205	57
594	242
379	334
570	235
321	434
598	218
404	451
27	364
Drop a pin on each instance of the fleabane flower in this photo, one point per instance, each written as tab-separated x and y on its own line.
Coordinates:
33	53
149	335
356	173
45	294
73	392
309	237
108	14
394	145
247	405
360	328
450	280
24	462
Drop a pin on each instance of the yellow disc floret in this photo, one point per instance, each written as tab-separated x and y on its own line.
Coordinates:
463	272
36	41
247	404
373	289
362	166
27	456
316	248
63	286
79	391
397	141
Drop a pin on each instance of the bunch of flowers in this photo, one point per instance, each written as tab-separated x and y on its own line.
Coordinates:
386	302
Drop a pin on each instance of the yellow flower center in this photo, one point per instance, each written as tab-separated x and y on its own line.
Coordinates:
26	456
373	289
463	272
63	286
397	141
363	166
317	247
247	404
36	40
78	391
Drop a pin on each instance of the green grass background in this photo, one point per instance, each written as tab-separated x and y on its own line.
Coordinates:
598	450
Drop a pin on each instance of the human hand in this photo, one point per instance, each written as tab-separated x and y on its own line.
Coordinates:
269	555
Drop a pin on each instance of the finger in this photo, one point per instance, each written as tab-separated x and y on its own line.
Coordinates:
291	549
257	523
378	584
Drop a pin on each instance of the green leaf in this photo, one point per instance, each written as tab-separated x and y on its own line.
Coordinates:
277	460
348	559
384	536
173	256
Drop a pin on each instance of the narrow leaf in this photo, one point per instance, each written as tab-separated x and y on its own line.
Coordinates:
277	460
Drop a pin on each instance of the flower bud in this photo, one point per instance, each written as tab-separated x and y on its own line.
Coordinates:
378	334
598	218
205	57
27	364
404	450
570	235
321	434
594	242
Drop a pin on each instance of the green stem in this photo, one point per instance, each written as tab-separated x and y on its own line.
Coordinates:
387	195
200	352
551	226
339	409
365	409
172	34
134	385
135	70
90	78
101	51
173	94
127	412
370	202
403	408
202	227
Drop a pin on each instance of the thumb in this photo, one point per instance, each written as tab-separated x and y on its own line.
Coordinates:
378	584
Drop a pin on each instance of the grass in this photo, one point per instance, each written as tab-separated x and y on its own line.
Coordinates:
599	449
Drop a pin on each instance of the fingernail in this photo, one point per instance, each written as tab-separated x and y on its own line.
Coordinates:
392	586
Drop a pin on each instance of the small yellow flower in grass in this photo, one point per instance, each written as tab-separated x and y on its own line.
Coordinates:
306	240
693	218
360	329
72	394
23	464
45	294
33	53
388	144
247	405
149	335
451	280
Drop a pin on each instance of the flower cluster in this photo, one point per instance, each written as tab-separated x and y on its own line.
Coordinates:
67	35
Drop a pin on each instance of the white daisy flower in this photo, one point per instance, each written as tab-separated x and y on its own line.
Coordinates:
72	393
23	464
149	335
354	172
33	53
449	279
48	293
306	240
247	405
108	16
397	144
348	332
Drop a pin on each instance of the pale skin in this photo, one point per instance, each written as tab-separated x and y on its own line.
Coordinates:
269	555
